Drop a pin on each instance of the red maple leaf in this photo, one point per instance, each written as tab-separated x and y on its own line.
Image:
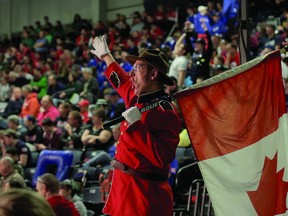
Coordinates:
270	196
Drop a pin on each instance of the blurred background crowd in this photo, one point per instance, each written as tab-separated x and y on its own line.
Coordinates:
53	92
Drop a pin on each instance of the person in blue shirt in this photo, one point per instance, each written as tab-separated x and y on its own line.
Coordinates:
201	18
218	27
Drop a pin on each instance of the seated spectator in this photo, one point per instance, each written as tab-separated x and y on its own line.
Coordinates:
51	136
39	83
15	103
4	89
14	123
72	87
31	105
13	183
16	80
10	139
232	58
73	131
47	110
116	103
12	152
95	136
69	189
64	109
34	132
100	104
83	105
54	87
41	44
24	202
89	88
8	172
48	186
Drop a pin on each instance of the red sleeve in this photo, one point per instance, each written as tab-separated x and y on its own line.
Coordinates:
120	81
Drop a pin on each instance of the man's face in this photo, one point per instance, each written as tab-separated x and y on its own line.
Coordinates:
140	78
71	120
40	187
45	102
27	123
17	93
8	140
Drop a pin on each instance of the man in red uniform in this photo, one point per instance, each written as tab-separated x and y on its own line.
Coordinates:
149	137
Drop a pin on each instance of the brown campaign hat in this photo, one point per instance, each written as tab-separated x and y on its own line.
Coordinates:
155	59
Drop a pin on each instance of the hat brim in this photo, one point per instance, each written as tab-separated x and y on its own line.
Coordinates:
165	79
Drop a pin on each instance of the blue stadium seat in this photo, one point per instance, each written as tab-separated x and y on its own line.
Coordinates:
53	161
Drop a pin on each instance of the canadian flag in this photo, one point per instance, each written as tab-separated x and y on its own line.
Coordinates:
237	123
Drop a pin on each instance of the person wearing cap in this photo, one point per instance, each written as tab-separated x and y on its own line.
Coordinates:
200	54
201	18
218	27
116	105
148	140
83	105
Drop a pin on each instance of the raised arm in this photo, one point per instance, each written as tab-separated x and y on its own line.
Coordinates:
101	50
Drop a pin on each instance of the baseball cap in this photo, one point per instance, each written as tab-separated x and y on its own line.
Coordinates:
101	102
83	103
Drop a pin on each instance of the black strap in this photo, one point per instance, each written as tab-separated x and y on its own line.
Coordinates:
144	175
121	118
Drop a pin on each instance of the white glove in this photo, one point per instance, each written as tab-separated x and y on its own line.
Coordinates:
100	46
132	115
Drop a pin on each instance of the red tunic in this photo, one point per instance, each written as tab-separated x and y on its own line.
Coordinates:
148	145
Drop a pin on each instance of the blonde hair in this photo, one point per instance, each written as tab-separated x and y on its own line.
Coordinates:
24	202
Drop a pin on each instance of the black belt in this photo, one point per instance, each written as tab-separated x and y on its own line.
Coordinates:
144	175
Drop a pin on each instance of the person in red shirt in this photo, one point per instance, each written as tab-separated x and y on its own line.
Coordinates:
84	104
48	186
148	139
31	105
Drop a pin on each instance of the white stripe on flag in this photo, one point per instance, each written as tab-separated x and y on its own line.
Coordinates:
228	178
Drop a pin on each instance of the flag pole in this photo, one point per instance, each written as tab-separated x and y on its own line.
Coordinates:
244	33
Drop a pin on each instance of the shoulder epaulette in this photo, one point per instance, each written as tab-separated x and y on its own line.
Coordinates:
166	105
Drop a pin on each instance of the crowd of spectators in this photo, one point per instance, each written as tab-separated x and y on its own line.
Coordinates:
54	92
